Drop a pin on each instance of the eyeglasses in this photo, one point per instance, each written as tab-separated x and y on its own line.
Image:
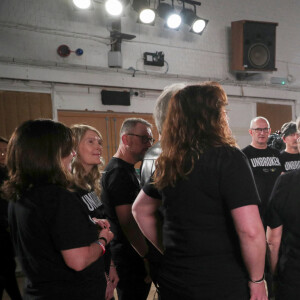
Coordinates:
145	138
265	130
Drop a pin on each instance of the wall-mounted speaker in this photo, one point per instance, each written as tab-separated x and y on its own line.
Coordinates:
253	46
115	98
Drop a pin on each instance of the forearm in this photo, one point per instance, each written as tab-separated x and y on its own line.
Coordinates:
151	227
274	240
145	212
253	250
273	256
80	258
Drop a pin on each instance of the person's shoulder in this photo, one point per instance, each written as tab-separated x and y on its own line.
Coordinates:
275	152
247	149
292	176
227	153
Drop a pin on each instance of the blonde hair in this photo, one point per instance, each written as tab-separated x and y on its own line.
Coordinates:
90	181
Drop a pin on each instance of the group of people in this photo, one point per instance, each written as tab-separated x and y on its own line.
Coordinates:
194	223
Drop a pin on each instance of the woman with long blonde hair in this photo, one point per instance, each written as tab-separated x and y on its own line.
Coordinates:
212	236
86	169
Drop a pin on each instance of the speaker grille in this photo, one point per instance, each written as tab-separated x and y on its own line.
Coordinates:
258	55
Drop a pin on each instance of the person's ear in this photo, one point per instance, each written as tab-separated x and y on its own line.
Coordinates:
124	139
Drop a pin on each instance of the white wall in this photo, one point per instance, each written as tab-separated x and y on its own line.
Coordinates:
31	31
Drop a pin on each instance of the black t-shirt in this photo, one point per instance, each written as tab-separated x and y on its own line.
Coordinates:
94	209
289	161
284	209
120	186
43	222
202	252
266	167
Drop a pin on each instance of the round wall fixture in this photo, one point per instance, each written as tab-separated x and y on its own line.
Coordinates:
79	52
63	51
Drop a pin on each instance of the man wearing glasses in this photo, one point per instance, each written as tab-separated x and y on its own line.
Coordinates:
264	160
290	157
120	187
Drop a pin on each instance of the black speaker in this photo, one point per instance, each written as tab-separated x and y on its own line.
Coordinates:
253	46
115	98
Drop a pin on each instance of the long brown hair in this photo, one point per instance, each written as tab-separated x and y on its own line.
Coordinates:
90	181
34	156
196	120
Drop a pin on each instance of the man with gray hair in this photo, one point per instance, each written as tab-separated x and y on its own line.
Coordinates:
264	160
120	186
159	114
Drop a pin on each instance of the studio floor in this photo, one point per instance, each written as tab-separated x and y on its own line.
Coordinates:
152	294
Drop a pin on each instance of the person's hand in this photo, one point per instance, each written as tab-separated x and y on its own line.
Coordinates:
113	276
258	291
102	223
109	292
106	234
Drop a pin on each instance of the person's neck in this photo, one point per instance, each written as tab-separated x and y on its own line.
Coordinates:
123	154
291	150
258	146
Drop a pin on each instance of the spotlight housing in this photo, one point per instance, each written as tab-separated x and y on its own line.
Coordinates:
146	14
196	24
167	12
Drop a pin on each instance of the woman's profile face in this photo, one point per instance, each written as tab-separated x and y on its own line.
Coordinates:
90	150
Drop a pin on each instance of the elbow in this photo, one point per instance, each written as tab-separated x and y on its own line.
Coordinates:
135	210
255	233
78	266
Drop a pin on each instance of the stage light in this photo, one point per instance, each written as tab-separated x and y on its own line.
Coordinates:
82	4
167	12
196	24
114	7
146	14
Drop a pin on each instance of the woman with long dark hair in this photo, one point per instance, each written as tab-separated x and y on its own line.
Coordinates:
212	237
58	246
86	169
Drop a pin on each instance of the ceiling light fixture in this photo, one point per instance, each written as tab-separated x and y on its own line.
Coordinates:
114	7
146	14
189	17
167	12
82	4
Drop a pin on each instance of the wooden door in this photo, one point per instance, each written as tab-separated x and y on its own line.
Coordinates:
276	114
17	107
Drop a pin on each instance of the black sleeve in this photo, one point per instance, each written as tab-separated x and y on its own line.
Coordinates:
150	190
71	226
237	184
277	199
121	187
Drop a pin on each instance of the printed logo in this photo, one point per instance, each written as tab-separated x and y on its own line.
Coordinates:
92	201
292	165
265	162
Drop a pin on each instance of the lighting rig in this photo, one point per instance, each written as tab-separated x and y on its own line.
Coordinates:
147	12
